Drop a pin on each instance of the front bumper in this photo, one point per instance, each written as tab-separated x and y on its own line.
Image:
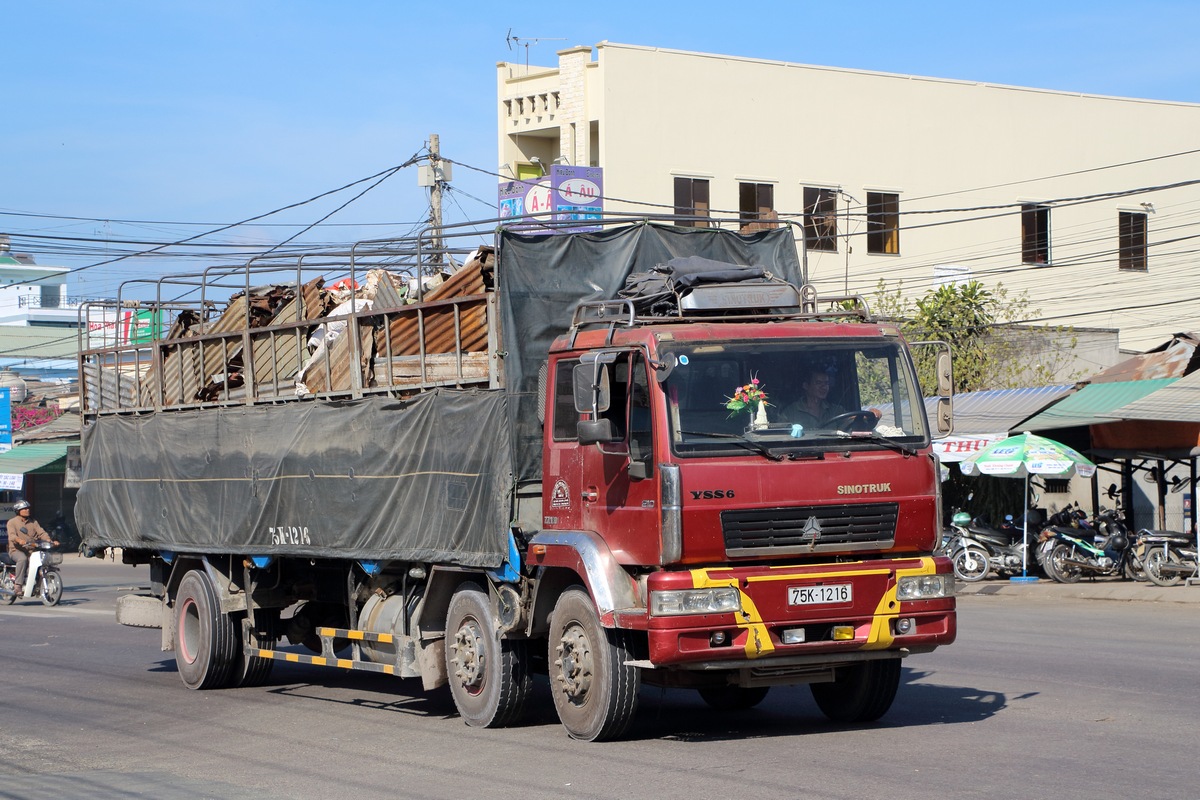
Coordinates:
767	629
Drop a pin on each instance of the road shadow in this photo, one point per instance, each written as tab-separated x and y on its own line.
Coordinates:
663	714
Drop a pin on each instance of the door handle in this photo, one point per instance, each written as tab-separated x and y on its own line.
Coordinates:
590	495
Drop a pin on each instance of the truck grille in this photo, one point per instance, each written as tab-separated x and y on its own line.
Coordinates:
809	529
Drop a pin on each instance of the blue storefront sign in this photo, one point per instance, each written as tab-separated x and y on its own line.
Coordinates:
6	440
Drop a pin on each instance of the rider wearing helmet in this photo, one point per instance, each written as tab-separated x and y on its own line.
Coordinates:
23	535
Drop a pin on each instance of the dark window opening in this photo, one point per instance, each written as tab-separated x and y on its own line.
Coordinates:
756	201
883	223
566	418
1035	234
691	200
820	219
1131	227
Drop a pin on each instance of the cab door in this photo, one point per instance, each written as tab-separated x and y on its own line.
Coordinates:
619	480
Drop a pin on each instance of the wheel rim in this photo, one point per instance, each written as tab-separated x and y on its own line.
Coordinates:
470	660
189	631
51	588
575	664
971	565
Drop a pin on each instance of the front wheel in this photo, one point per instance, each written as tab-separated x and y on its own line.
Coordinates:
1155	560
595	690
1058	567
860	692
489	676
971	564
52	587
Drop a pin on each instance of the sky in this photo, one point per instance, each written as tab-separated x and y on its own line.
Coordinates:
132	125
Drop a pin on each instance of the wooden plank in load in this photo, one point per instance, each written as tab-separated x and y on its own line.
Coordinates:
441	369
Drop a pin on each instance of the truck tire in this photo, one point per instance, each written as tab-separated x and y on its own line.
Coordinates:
254	670
205	640
860	692
733	698
489	676
595	690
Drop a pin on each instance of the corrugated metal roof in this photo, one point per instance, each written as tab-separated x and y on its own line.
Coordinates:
1171	359
27	458
1093	404
997	410
21	341
1178	402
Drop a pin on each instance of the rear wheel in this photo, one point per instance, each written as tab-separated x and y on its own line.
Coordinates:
1156	559
52	588
734	698
205	640
595	690
489	676
10	589
971	564
1059	569
860	692
251	670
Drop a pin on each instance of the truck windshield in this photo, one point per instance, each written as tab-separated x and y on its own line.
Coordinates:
786	395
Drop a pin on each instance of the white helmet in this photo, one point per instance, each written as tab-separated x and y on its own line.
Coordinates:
21	505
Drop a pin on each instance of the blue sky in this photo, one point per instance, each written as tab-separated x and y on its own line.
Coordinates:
207	113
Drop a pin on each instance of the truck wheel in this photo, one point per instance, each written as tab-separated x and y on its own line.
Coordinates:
52	588
255	670
595	690
861	692
1155	559
489	676
733	698
205	640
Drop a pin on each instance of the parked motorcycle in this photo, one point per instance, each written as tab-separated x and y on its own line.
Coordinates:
979	549
1168	557
42	578
1102	548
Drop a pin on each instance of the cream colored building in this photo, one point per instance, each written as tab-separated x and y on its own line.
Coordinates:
1073	198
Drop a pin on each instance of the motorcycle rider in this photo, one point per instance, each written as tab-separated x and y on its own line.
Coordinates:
24	534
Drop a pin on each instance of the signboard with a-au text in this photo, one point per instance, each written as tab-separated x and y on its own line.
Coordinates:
73	476
577	195
568	194
5	420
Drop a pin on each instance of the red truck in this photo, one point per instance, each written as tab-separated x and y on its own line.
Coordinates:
541	464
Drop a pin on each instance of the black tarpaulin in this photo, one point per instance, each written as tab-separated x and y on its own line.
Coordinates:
543	278
426	479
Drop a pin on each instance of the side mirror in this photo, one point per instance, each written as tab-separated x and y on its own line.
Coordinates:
945	373
597	431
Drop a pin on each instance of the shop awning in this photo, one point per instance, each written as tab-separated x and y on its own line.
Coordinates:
33	458
1178	402
1094	404
984	418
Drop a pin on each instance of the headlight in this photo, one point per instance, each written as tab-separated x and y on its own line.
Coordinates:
719	600
924	587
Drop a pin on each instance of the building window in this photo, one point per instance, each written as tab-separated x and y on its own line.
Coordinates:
820	219
1131	231
1035	234
883	223
756	201
691	200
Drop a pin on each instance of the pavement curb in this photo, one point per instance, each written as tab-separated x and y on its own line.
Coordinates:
1110	589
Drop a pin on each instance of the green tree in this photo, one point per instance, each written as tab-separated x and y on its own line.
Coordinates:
990	349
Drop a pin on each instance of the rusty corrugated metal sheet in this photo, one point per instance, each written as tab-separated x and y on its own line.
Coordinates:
1172	359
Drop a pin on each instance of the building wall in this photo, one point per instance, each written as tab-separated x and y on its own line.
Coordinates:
942	145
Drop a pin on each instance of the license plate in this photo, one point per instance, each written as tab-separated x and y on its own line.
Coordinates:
817	595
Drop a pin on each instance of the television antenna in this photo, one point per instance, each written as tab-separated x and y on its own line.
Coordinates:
527	42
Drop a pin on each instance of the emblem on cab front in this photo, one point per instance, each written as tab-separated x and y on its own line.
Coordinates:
812	529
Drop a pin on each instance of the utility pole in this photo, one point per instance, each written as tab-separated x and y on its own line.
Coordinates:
435	196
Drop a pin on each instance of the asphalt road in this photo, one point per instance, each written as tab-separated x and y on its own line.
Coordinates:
1043	695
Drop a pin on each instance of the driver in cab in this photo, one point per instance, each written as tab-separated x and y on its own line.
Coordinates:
814	406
